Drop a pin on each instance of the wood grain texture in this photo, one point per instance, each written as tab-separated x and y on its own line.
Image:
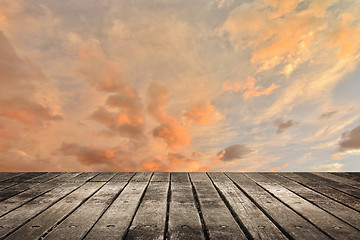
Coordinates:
184	219
287	219
326	190
335	208
114	223
217	217
326	222
48	219
179	205
149	221
80	222
255	221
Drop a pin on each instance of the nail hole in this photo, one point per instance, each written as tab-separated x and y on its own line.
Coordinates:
73	226
261	227
35	226
110	225
336	227
298	226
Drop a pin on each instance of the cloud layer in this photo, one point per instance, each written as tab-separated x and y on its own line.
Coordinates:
158	86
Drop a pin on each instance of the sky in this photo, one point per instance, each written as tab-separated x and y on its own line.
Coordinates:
170	85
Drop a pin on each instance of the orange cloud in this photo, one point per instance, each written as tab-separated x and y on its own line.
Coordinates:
170	130
177	159
89	156
276	32
344	37
203	113
26	112
155	165
278	168
280	7
123	111
248	88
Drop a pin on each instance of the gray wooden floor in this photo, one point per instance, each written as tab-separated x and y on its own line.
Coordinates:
179	205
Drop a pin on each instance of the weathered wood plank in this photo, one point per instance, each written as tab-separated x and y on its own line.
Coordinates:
36	190
82	177
217	217
122	177
180	177
114	223
184	219
347	175
199	177
339	179
161	177
24	177
21	215
346	214
103	177
331	225
255	221
82	219
44	177
7	175
42	223
149	221
285	218
325	190
142	177
336	185
23	186
19	179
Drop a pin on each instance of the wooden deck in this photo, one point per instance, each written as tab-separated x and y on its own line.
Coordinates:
179	205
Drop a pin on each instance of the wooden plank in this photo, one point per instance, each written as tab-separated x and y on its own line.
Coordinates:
325	190
23	186
43	178
142	177
82	177
18	179
122	177
184	219
180	177
346	214
336	185
256	222
114	223
285	218
339	179
80	221
7	175
161	177
42	223
331	225
24	177
33	192
347	175
149	221
66	177
103	177
199	177
217	217
19	216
